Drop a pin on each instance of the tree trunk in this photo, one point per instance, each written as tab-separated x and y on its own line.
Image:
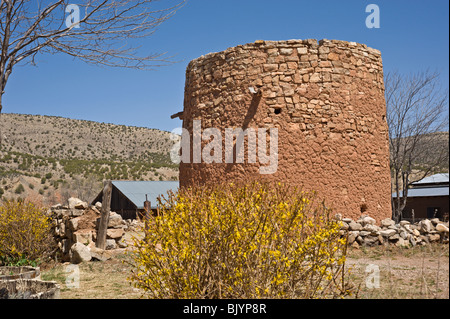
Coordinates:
1	107
104	219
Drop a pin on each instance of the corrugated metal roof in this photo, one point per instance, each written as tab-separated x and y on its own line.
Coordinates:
426	192
135	191
436	178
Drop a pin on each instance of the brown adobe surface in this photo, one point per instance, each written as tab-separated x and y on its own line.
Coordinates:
327	101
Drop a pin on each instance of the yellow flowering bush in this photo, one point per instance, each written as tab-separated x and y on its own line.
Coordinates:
241	241
25	233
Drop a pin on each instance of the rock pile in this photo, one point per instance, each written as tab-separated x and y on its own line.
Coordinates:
75	230
365	232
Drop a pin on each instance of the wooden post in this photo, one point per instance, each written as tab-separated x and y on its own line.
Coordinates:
104	218
147	207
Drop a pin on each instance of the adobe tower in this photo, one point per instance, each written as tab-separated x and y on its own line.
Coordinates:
325	98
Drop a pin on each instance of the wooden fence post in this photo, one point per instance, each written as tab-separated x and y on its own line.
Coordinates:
104	218
147	212
147	207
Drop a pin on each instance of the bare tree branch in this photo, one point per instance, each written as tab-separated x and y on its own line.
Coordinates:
416	113
101	36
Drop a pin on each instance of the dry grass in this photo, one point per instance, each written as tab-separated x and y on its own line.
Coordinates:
98	280
416	273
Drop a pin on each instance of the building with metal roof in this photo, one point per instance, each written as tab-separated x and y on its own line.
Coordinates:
426	192
128	197
433	180
428	198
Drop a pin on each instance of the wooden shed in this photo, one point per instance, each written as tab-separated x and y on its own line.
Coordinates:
428	198
127	197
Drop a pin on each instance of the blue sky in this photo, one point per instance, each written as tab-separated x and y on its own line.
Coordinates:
413	36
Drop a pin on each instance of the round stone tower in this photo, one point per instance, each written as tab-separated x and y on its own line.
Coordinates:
325	100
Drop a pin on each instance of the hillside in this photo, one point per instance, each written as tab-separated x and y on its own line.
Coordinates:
428	149
54	157
48	158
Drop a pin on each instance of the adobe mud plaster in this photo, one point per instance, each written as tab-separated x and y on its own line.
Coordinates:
326	98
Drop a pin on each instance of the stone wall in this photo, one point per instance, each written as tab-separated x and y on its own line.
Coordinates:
75	230
365	232
325	98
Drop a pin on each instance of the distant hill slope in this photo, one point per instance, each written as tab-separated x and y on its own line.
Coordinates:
426	155
55	155
431	144
64	138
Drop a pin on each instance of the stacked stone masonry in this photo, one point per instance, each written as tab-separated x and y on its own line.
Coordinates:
325	98
75	230
365	232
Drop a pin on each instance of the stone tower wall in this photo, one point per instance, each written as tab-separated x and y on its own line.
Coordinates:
325	98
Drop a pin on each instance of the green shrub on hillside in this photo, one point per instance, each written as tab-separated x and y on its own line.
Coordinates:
19	189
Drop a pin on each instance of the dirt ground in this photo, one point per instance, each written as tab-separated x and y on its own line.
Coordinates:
98	280
421	272
375	272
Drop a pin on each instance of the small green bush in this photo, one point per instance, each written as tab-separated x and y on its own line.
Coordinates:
19	189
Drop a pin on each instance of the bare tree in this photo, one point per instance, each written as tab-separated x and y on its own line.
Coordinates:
416	116
94	31
84	188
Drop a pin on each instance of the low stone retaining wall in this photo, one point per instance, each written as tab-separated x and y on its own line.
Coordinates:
75	230
20	272
29	289
365	232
